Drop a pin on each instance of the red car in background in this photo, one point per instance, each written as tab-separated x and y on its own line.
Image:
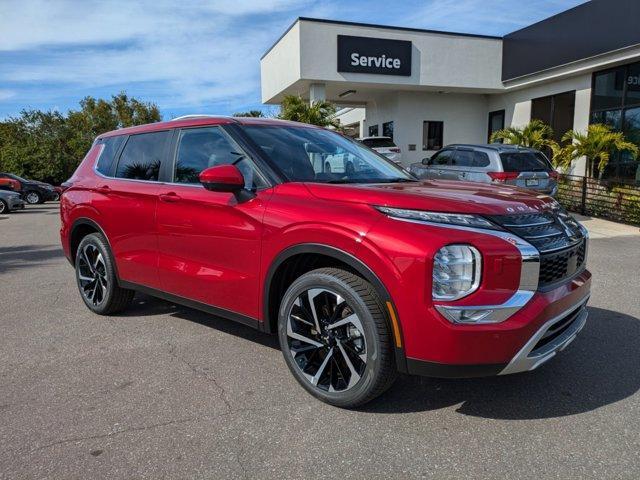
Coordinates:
360	269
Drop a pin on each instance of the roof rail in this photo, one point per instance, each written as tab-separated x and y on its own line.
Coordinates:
196	115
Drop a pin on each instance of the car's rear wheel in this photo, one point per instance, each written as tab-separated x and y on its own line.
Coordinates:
56	196
4	208
335	339
33	198
96	277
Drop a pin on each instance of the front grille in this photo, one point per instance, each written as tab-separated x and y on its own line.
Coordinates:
558	238
557	266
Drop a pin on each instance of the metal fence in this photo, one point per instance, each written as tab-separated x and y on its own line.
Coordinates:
615	201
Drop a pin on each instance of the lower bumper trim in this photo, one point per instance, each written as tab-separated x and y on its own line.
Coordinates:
532	355
443	370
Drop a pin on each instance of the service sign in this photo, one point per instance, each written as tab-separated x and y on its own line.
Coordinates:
374	55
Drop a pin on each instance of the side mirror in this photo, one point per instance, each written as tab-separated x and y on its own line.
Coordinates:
223	178
426	161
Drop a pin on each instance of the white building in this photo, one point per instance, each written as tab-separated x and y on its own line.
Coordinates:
429	88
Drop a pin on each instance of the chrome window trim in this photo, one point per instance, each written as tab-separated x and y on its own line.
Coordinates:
529	274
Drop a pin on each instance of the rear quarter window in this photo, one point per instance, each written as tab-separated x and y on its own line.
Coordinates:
111	145
524	162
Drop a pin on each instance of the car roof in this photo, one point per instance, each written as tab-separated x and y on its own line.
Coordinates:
497	147
202	120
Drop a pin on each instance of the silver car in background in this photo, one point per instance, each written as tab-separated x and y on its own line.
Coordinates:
10	201
494	163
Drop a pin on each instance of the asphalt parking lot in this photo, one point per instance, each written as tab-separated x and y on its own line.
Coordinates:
168	392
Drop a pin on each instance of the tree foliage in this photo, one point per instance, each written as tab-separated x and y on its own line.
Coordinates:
49	145
250	113
297	109
536	134
597	145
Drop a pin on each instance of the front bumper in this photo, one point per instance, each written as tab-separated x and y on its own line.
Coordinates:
16	203
543	328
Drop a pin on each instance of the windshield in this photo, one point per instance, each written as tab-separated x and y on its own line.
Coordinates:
315	155
525	162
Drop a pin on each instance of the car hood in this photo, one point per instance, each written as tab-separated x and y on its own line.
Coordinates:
437	196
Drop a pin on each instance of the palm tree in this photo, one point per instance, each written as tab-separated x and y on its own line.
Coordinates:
321	113
596	144
536	134
250	113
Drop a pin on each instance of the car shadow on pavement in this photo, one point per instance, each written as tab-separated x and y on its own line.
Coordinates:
599	368
145	305
27	256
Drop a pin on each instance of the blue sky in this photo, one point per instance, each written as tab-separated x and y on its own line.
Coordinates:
194	56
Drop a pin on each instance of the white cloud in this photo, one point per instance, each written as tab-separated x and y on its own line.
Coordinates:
6	94
188	53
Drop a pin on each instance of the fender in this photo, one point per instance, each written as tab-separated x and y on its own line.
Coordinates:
87	221
354	263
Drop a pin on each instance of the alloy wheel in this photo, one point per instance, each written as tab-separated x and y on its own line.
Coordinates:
326	340
92	275
32	198
3	207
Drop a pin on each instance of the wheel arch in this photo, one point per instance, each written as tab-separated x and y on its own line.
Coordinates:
80	228
339	258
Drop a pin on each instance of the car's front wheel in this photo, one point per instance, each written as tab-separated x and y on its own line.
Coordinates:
96	277
4	208
33	198
335	339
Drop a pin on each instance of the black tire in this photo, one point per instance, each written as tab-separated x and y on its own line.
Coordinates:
33	198
379	370
4	208
94	259
56	197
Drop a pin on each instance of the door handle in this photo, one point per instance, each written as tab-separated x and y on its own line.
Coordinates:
104	189
170	197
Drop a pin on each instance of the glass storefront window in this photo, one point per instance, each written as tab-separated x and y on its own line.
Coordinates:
613	118
633	85
608	88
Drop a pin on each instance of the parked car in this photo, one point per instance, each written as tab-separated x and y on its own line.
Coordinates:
494	163
361	274
385	146
32	191
59	190
10	201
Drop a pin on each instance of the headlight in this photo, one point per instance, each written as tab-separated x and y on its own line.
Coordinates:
436	217
456	272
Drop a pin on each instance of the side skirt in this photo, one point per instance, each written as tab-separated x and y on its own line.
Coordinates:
219	312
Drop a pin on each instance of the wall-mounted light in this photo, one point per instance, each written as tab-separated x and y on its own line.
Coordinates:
347	93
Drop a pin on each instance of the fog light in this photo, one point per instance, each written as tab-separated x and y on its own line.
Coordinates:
459	315
456	272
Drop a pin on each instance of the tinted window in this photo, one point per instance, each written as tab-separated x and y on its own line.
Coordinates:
201	148
379	142
463	158
318	155
432	135
373	130
481	159
387	130
633	85
108	155
608	88
524	162
142	155
442	158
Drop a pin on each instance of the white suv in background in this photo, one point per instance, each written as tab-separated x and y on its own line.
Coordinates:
385	146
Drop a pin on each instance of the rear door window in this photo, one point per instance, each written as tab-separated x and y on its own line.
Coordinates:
110	148
524	162
379	143
142	156
463	158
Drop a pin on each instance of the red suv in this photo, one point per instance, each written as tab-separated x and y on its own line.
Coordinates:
362	270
